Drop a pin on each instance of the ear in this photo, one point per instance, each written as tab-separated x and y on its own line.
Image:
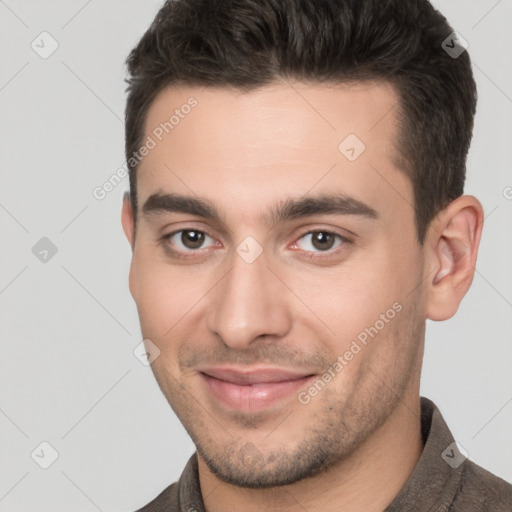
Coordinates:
451	249
127	219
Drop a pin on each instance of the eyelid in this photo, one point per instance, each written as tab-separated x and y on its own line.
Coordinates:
344	240
184	254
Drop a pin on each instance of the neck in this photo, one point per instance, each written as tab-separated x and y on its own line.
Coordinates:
368	480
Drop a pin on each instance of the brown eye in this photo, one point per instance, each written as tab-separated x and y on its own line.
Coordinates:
320	241
192	239
188	240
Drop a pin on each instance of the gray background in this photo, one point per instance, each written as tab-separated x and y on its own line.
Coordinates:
68	326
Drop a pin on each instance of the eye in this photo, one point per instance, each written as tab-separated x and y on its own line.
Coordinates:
322	241
188	240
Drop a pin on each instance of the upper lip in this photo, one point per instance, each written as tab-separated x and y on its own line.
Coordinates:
245	376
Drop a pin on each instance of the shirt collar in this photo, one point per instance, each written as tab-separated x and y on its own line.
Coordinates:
436	477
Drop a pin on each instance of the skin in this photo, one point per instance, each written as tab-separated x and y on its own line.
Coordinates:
298	305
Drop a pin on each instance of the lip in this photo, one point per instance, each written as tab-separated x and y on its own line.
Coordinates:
254	389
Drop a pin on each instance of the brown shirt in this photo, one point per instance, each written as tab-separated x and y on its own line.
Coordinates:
442	481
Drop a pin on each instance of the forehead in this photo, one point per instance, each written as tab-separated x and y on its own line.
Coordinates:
274	142
291	111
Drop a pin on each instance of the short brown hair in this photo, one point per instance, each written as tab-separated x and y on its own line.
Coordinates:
250	43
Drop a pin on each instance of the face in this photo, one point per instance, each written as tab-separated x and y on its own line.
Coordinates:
276	268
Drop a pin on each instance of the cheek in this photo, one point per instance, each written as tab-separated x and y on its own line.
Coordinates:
344	300
151	292
345	303
165	296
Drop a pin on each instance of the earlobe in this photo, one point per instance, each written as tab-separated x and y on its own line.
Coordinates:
127	219
453	240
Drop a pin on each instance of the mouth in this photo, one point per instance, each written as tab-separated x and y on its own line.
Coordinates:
252	390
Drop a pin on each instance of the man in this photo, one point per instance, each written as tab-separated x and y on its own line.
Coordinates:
296	213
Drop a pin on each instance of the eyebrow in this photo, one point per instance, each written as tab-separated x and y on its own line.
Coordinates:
289	209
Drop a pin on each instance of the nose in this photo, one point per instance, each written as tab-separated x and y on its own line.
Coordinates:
249	304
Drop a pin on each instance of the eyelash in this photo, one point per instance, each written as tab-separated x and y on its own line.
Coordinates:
310	254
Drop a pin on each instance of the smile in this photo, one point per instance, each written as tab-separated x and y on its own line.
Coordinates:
252	391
